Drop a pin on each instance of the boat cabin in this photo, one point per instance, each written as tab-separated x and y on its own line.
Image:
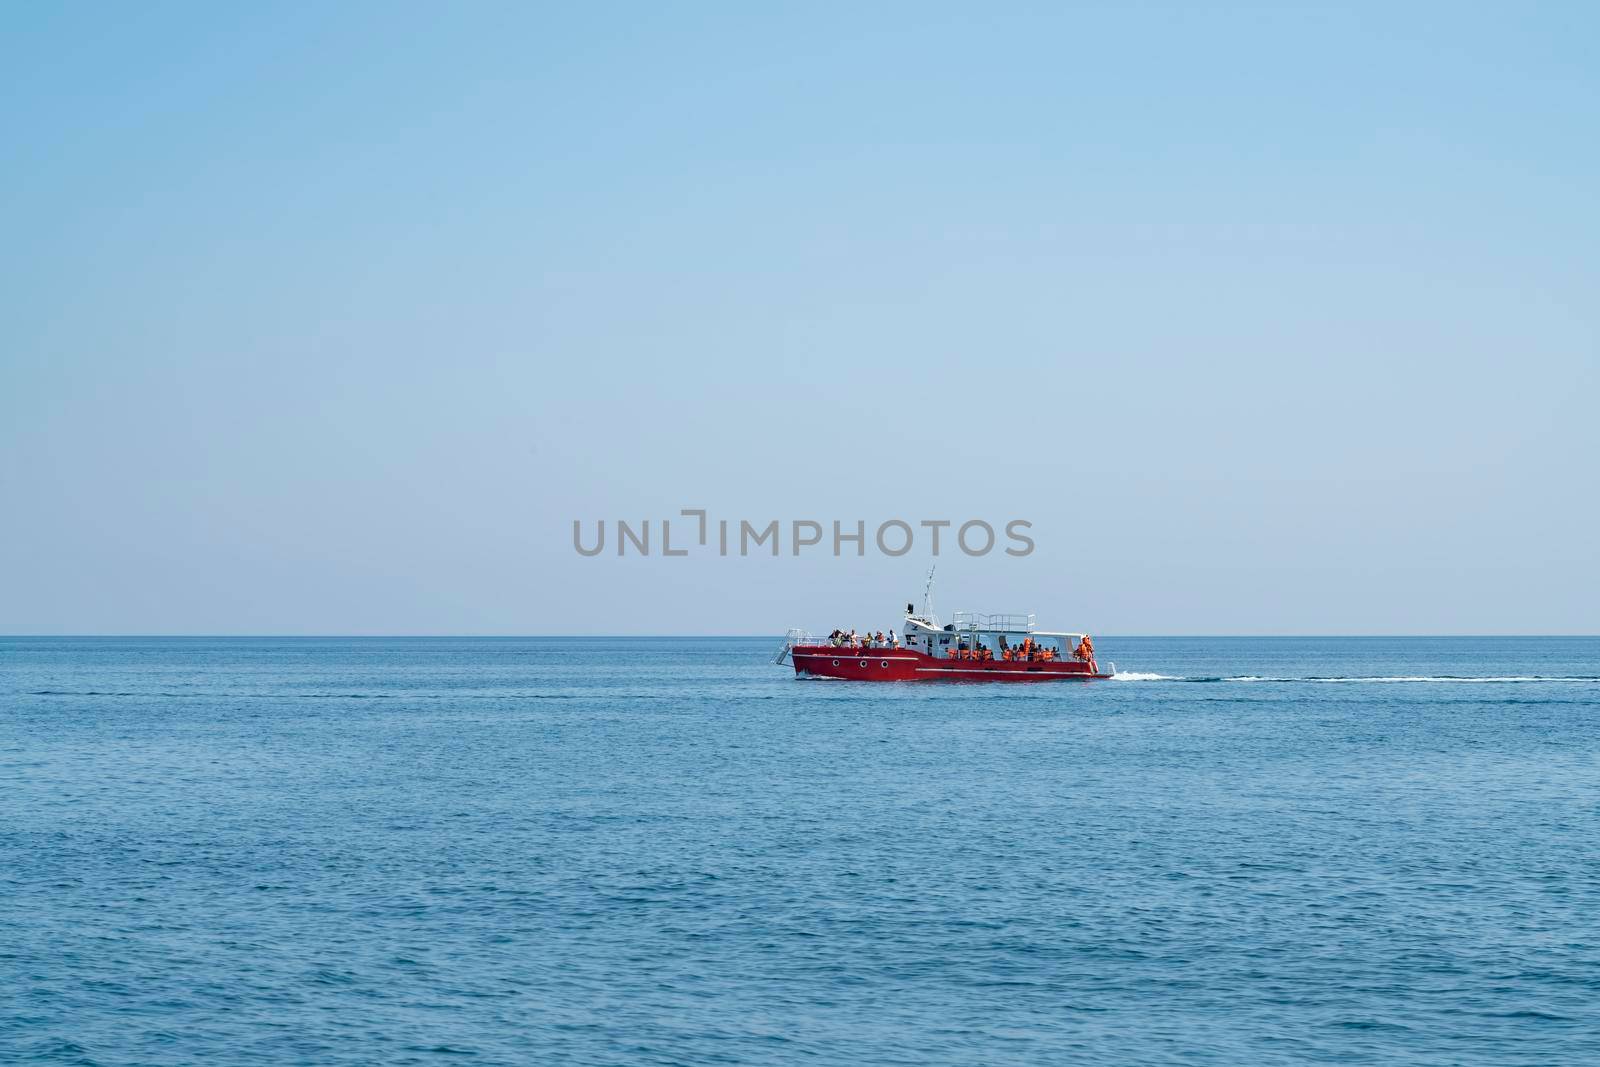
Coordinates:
974	634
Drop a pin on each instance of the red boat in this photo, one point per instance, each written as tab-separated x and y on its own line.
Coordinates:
970	648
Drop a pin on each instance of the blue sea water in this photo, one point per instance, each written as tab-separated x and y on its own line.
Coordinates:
670	851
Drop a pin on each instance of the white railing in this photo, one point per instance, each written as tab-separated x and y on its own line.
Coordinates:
862	641
1009	623
794	637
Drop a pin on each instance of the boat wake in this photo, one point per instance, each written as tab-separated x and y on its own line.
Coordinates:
1387	679
1434	679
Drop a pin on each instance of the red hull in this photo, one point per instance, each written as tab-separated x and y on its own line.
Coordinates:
906	665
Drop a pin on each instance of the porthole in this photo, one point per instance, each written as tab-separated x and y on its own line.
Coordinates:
863	663
883	663
835	663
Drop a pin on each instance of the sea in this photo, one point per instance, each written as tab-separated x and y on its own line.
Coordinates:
671	851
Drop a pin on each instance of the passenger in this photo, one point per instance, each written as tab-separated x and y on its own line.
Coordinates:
1085	648
878	638
892	642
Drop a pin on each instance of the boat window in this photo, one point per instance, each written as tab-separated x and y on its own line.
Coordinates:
883	663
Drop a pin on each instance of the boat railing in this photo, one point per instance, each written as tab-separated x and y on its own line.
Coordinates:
1007	622
797	638
793	639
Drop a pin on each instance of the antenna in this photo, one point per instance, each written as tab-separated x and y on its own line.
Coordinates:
927	594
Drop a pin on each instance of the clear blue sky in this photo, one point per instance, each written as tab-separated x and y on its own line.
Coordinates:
332	318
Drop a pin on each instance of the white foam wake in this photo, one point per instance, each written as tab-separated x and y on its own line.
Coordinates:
1445	679
1375	679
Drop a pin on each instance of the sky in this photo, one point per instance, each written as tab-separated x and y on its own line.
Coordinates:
333	319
